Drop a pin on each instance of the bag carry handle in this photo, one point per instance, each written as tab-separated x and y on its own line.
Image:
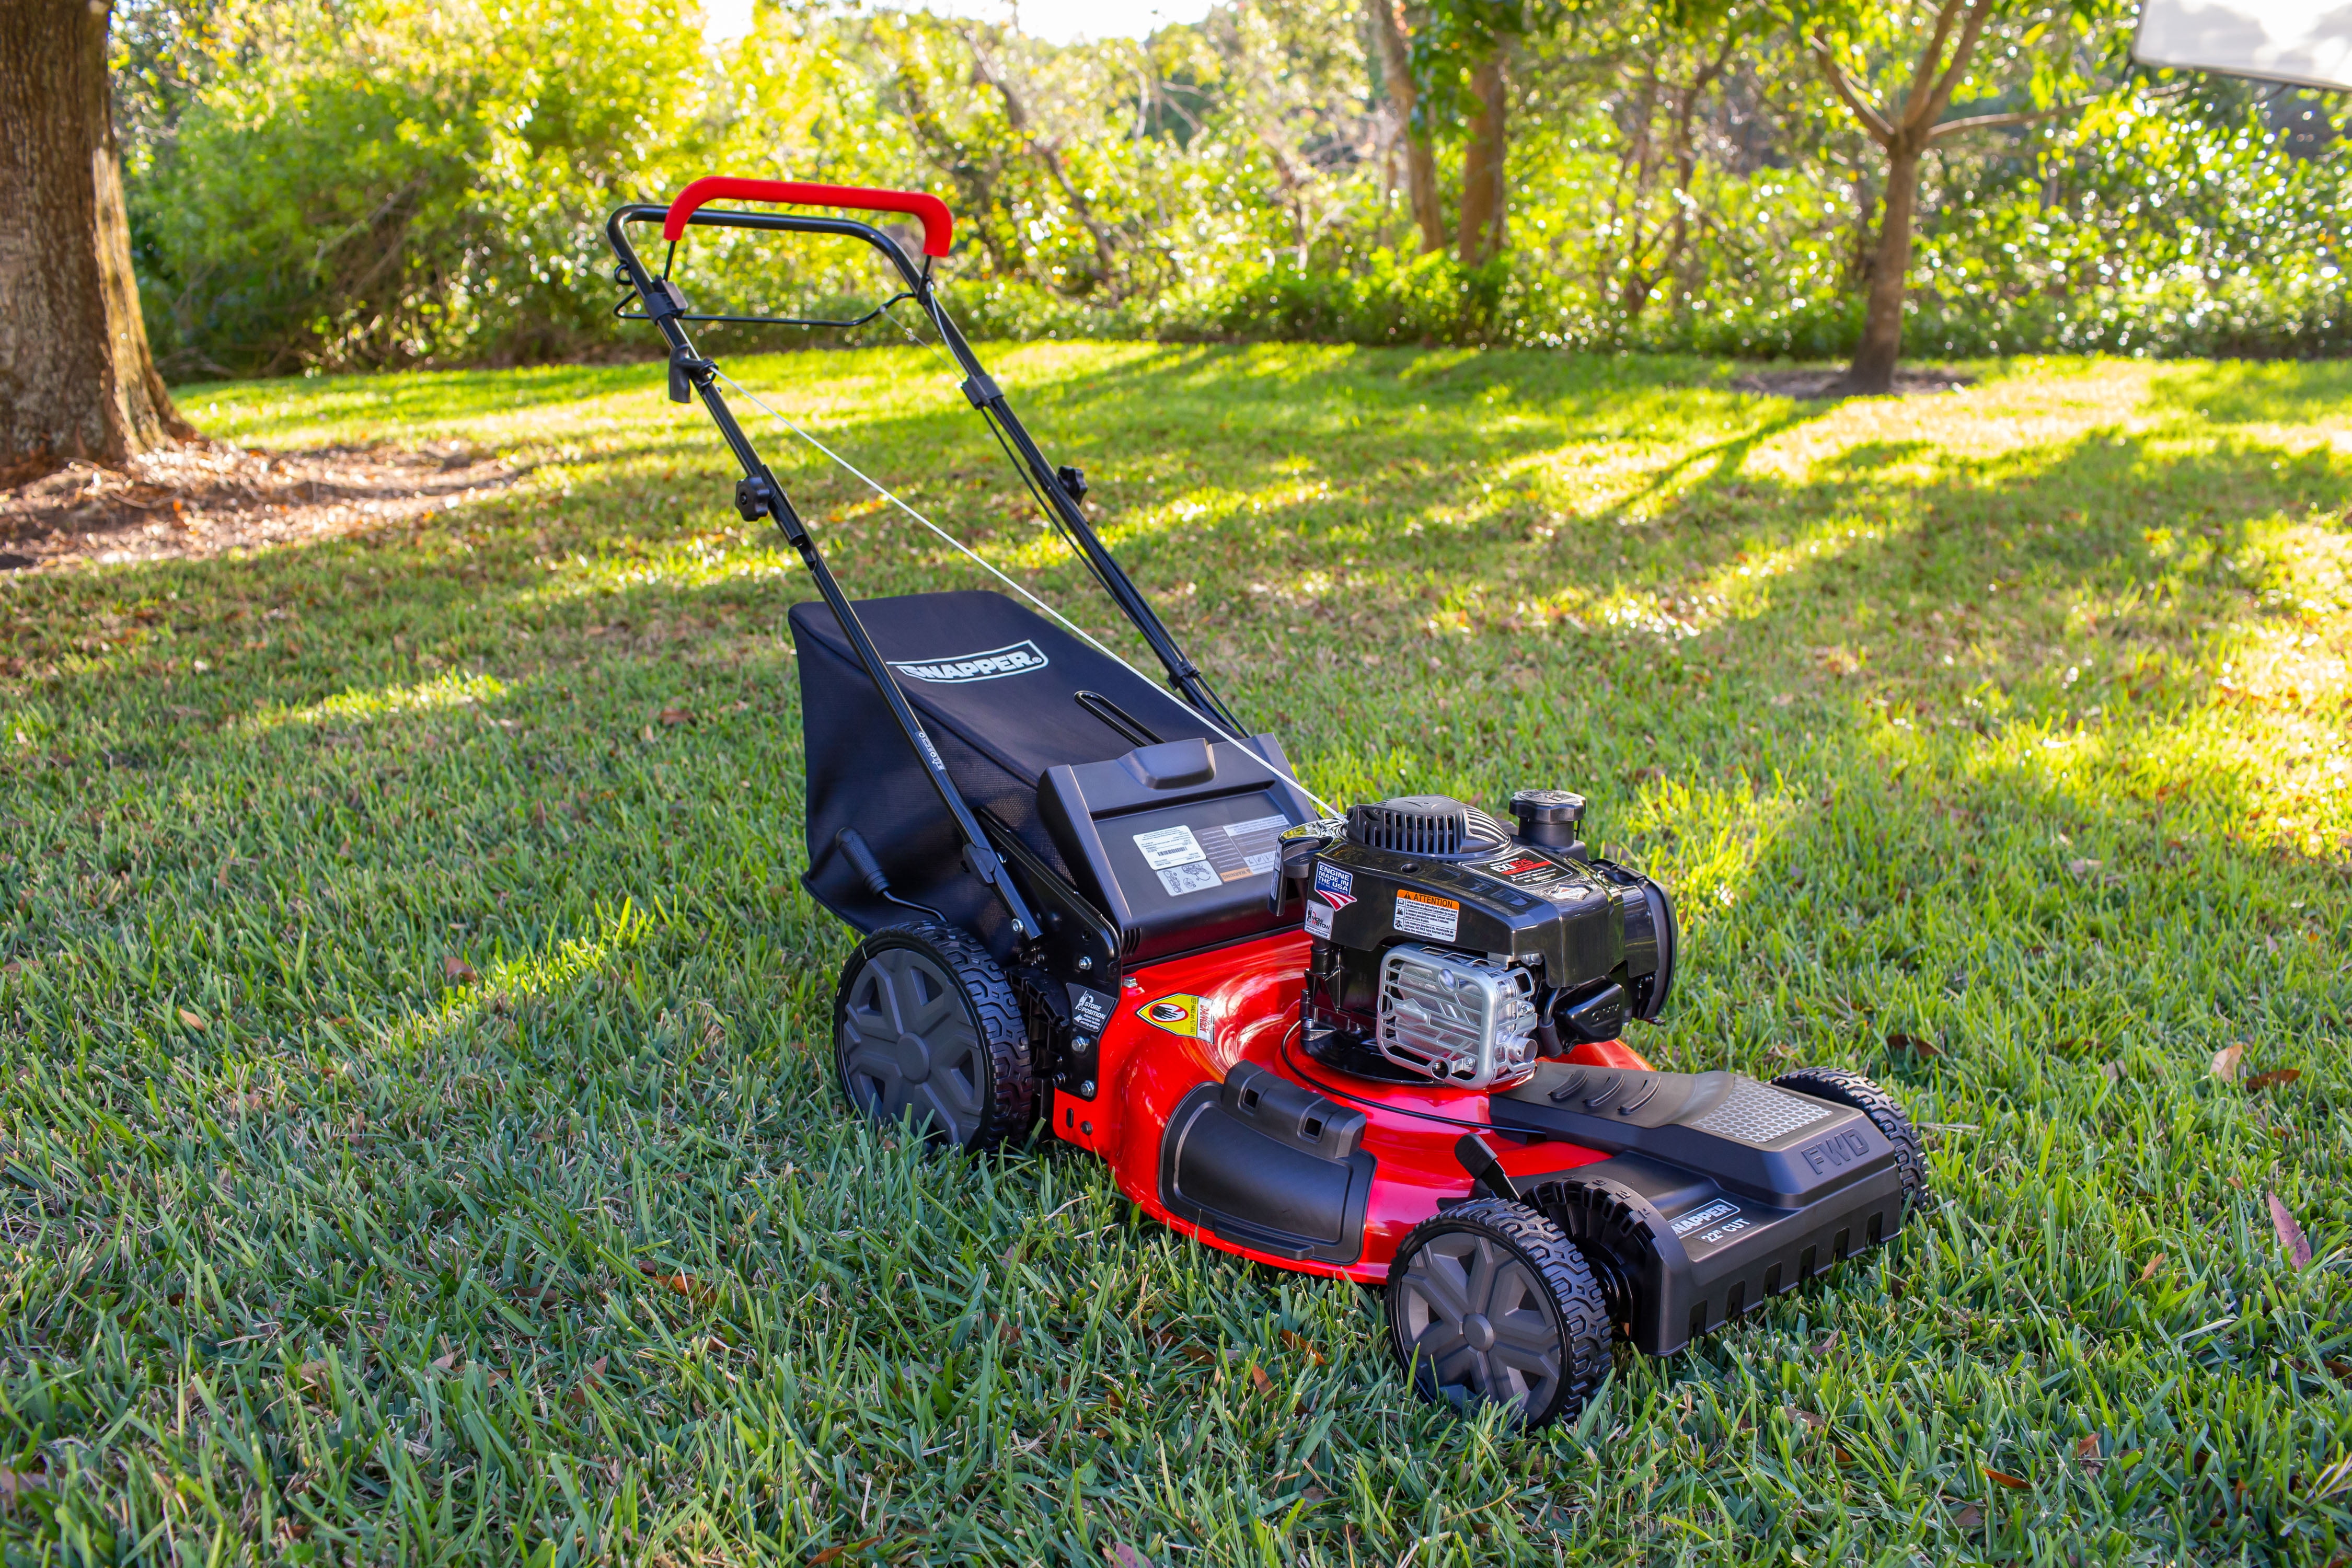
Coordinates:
938	224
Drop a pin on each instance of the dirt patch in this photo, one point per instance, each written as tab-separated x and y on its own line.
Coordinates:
1819	384
205	497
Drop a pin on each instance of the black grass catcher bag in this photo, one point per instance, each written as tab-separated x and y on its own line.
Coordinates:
1005	695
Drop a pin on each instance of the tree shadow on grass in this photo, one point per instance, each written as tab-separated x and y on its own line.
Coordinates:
2047	526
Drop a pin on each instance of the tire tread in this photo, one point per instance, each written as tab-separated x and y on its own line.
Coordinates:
1011	1074
1588	1327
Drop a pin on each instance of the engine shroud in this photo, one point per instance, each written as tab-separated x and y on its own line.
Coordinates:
1574	926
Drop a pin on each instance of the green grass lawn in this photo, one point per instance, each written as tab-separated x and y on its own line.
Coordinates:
417	1135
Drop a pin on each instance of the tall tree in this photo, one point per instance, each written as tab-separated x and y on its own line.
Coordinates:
76	379
1909	122
1420	158
1486	154
1460	57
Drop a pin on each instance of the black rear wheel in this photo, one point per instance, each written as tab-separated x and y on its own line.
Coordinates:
1490	1303
925	1029
1839	1087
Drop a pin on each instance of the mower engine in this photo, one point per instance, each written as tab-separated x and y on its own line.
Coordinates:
1449	948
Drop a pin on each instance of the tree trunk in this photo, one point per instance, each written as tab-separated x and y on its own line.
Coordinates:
1875	357
76	379
1420	162
1483	193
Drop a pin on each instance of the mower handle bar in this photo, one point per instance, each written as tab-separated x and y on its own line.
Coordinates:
981	388
938	224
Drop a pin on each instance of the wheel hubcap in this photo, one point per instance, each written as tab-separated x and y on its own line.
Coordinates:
1480	1323
914	1058
909	1048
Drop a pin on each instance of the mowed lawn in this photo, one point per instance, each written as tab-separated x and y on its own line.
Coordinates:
418	1136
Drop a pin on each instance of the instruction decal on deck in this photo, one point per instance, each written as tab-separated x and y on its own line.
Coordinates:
1183	865
1426	914
1253	843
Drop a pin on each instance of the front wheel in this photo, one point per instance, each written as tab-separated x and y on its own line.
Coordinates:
1490	1303
925	1029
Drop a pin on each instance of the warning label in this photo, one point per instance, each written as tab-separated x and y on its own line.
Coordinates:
1183	865
1425	914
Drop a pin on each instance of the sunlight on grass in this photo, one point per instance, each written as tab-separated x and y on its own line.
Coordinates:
496	1200
455	689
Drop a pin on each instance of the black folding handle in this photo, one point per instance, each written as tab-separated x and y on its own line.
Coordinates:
1183	675
758	494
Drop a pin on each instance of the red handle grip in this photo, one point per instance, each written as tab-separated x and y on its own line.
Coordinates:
938	224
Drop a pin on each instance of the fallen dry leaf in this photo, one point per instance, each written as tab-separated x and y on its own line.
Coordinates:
1805	1418
446	1363
1299	1344
1263	1384
2225	1062
12	1482
2154	1263
2086	1449
675	716
685	1285
2014	1483
2290	1234
2085	868
1915	1044
1120	1554
2112	1071
1827	1346
192	1018
2274	1077
311	1374
830	1552
457	971
1967	1516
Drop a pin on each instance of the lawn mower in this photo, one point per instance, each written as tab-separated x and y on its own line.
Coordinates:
1383	1044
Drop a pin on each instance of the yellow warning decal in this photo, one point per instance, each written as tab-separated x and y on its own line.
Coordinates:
1189	1017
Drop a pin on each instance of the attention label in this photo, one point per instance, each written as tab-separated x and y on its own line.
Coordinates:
1425	914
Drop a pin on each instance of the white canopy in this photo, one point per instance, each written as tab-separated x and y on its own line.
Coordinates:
2307	42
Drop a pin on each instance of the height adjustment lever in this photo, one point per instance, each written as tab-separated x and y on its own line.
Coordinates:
755	498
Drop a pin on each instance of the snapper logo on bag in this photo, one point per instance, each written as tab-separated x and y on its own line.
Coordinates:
963	668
